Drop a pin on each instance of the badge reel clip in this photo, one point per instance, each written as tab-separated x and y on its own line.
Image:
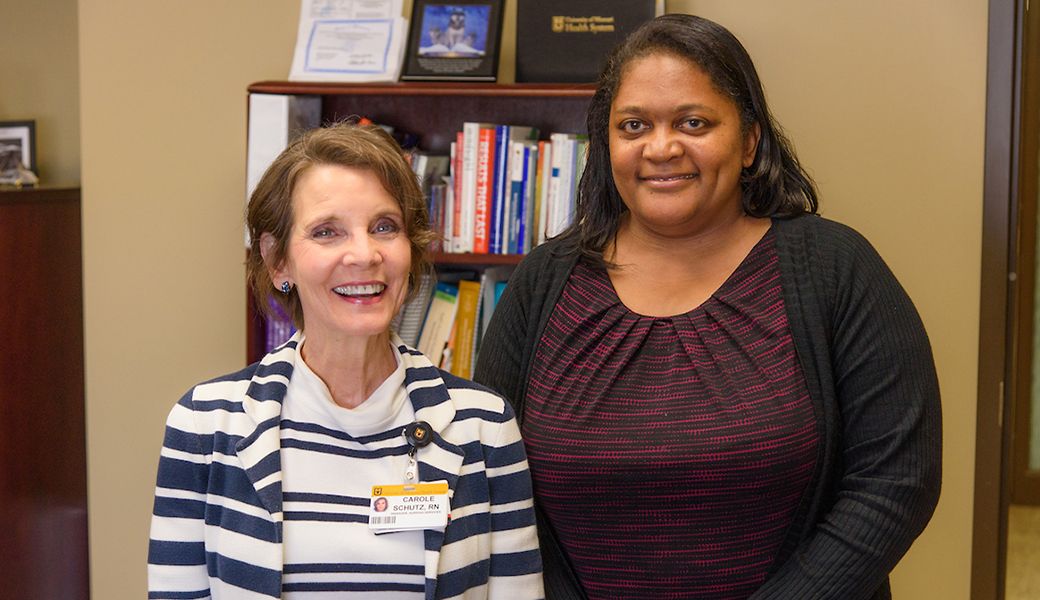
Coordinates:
418	435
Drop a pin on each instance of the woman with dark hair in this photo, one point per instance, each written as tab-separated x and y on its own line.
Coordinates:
722	394
329	468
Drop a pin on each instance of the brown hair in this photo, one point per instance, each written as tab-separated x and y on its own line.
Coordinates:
345	144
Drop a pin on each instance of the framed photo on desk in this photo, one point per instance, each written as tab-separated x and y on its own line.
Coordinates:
17	148
453	41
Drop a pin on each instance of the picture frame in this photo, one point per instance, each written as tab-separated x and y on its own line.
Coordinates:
453	41
17	147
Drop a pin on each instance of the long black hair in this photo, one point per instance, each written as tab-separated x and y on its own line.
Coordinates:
775	185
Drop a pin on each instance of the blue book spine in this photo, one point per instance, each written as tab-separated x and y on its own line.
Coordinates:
521	202
500	189
517	196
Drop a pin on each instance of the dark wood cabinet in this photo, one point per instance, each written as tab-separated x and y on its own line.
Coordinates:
43	483
435	112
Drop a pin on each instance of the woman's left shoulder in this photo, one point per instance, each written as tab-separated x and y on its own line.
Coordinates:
818	228
472	395
824	241
464	393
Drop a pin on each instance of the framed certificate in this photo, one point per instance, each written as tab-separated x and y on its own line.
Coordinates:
453	41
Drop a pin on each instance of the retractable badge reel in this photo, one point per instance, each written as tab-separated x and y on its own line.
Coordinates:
413	505
418	435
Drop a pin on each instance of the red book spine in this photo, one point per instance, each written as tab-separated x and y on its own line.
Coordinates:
456	220
485	170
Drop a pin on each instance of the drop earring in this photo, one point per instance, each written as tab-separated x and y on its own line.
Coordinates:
286	288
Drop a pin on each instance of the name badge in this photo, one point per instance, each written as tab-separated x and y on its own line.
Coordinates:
408	507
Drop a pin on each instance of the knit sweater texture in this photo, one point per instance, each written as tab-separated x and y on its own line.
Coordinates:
868	365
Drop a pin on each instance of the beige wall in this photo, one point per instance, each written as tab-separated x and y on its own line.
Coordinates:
164	130
38	81
885	102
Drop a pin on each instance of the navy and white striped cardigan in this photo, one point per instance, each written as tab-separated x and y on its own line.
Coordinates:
217	524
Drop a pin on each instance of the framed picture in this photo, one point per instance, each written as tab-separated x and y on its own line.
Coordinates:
17	147
456	41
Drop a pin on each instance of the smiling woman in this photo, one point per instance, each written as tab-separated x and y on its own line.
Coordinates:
677	147
767	386
271	479
348	259
272	209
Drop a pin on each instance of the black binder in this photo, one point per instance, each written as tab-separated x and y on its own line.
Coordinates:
564	41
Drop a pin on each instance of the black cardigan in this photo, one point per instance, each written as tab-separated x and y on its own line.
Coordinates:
869	370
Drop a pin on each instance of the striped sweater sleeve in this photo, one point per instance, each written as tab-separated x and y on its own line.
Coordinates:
176	550
492	509
516	565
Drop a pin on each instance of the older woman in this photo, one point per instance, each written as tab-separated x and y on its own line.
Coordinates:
330	467
723	395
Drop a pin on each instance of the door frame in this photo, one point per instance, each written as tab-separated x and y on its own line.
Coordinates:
997	298
1025	483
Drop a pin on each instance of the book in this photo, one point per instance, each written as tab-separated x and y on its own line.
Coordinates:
506	135
448	353
516	192
460	179
275	120
583	31
454	182
278	326
557	200
466	201
525	238
501	189
409	320
465	327
492	282
542	189
440	319
581	157
429	168
440	198
568	151
524	153
484	190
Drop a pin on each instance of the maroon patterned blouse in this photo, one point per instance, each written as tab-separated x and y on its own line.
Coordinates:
670	453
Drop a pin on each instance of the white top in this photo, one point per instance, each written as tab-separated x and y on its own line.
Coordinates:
331	458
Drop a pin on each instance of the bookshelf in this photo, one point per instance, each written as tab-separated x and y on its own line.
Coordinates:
436	111
43	465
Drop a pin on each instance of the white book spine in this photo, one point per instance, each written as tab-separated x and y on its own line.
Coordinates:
543	205
447	227
553	217
531	160
468	202
567	178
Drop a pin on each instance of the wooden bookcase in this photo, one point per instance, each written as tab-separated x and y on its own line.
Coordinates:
436	111
43	464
